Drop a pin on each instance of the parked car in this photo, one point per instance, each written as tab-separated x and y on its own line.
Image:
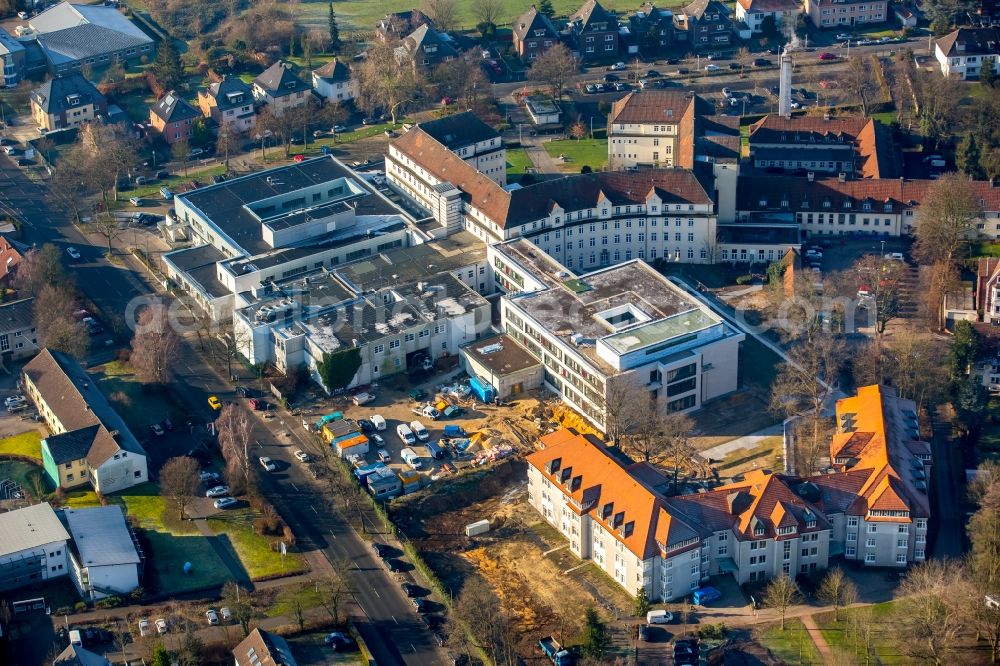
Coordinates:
827	56
419	605
395	566
617	67
214	402
301	455
338	640
339	129
762	62
144	629
610	78
712	67
842	36
411	590
267	464
73	253
212	616
378	421
135	201
206	476
225	502
161	626
383	456
651	74
14	401
227	615
157	430
735	65
380	549
195	152
363	399
217	491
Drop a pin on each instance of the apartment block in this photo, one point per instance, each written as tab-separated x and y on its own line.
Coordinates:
846	13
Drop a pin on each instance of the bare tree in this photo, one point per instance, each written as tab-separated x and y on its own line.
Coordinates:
489	624
863	632
553	69
386	83
57	330
226	140
969	597
948	216
623	402
109	152
837	590
937	104
67	185
242	603
335	591
743	59
858	80
154	345
463	80
234	429
914	364
677	451
181	152
179	482
810	443
488	11
39	268
444	13
926	624
781	594
883	279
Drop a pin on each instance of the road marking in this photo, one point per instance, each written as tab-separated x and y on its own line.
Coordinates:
332	534
314	510
293	486
413	648
394	619
376	593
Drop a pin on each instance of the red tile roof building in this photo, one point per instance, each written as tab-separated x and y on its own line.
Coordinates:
872	508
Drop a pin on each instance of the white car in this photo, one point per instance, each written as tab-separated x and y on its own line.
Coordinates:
712	67
217	491
363	399
301	455
206	476
14	401
213	617
727	93
73	253
225	502
161	626
895	256
267	464
197	152
144	627
796	105
378	421
227	615
843	36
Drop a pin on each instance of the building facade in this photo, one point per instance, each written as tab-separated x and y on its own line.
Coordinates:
34	547
645	129
705	25
18	339
105	557
280	88
785	14
830	14
229	102
476	143
966	52
173	118
67	101
533	34
11	59
653	30
333	83
595	31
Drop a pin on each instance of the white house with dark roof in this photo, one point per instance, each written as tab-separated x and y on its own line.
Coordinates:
90	442
754	12
280	88
33	548
425	48
18	338
333	82
965	52
74	35
229	102
105	556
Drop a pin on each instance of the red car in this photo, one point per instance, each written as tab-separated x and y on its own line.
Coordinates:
299	158
827	56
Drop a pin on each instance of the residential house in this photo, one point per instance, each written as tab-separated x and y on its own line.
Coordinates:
280	88
906	15
262	648
90	442
229	102
533	34
18	339
785	14
33	548
394	27
478	144
11	59
72	36
705	25
426	48
653	30
75	655
965	52
67	101
673	348
105	556
173	118
872	509
830	14
595	31
653	128
333	82
10	257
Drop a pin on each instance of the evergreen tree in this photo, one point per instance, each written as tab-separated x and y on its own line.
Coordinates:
967	157
595	634
546	9
167	68
160	656
641	603
334	31
988	76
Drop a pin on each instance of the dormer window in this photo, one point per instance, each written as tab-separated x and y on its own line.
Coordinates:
866	206
847	204
73	100
763	203
888	208
784	203
805	203
290	85
826	204
758	529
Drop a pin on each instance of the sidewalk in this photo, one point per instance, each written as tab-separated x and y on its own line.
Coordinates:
745	442
536	153
817	637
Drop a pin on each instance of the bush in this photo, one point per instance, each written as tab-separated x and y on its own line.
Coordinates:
79	607
108	602
744	279
286	534
64	610
713	631
137	594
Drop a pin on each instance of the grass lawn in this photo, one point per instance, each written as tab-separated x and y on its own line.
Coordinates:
284	603
254	551
989	436
517	162
82	499
125	391
841	642
762	454
172	546
591	152
28	444
885	117
793	645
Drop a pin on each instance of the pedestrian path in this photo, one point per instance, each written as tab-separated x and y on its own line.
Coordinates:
747	442
817	637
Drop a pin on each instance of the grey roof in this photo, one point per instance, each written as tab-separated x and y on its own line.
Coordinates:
8	44
71	32
230	85
280	80
30	527
73	445
172	108
16	315
532	20
195	257
460	129
698	8
334	71
405	265
973	41
78	656
426	36
592	11
101	536
53	96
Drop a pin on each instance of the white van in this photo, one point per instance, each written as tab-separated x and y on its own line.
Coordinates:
659	617
378	422
75	638
420	431
410	457
404	433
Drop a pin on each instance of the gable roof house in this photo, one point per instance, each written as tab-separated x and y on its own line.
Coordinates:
18	338
105	555
75	655
966	52
595	31
229	102
280	88
653	29
753	12
173	118
704	24
333	82
33	549
67	101
533	34
262	648
89	442
10	257
426	48
393	27
74	35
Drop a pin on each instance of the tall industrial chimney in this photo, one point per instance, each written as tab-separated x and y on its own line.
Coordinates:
785	85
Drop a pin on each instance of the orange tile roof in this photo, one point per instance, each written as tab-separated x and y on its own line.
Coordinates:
606	491
771	498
